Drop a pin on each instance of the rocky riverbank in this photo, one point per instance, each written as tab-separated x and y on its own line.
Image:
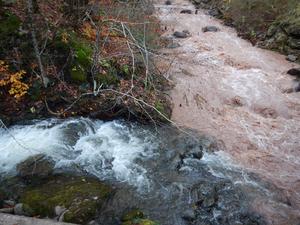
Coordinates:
272	25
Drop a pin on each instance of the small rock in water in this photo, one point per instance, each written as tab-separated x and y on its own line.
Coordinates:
173	45
214	12
7	210
189	215
35	166
21	209
9	203
292	58
297	88
186	11
183	34
168	2
294	72
210	29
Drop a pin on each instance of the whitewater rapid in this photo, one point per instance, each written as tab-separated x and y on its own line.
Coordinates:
238	93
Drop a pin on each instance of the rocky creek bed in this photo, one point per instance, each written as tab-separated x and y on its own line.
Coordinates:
94	172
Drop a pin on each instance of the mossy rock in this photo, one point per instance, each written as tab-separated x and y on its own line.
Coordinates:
78	74
136	217
69	42
140	222
80	196
134	214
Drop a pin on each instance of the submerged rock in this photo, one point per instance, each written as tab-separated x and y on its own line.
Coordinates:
292	58
186	11
21	209
168	2
36	166
294	72
136	217
210	29
81	197
183	34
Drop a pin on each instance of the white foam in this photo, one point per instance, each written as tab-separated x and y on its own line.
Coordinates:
104	149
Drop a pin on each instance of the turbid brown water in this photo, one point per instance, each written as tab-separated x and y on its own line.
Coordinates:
238	93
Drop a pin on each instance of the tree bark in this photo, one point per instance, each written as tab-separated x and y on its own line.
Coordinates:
44	78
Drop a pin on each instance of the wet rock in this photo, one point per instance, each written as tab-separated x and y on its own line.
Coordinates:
93	222
36	166
168	2
22	210
173	45
189	215
183	34
7	210
210	29
134	214
297	88
215	12
292	58
81	196
137	217
186	11
294	72
9	203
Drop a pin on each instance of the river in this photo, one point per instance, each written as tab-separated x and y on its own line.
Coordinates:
234	158
226	88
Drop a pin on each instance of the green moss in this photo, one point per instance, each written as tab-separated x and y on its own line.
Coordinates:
78	73
80	196
134	214
159	107
9	24
69	42
140	222
136	217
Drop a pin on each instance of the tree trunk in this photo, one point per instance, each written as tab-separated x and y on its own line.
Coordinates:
44	78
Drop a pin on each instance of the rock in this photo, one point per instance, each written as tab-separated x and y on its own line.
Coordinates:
35	166
134	214
81	196
210	29
9	203
292	58
173	45
189	215
186	11
195	152
7	210
183	34
294	72
23	210
93	222
297	88
168	2
136	217
22	220
215	12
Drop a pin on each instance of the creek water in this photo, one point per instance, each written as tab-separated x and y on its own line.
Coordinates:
238	93
224	88
174	176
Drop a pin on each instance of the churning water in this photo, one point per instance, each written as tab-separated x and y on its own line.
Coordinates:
161	172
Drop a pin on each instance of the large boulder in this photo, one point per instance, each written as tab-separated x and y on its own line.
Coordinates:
38	166
81	197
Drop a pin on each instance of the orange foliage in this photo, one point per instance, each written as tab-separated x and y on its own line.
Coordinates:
13	81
